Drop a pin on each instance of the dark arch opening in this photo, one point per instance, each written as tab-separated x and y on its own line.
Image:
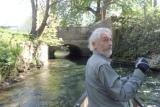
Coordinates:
75	51
51	52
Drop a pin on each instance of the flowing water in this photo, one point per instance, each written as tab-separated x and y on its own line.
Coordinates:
61	84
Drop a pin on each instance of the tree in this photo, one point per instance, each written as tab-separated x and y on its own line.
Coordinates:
44	27
155	3
71	11
100	11
36	32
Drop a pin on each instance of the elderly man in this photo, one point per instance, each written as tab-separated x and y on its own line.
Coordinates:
104	86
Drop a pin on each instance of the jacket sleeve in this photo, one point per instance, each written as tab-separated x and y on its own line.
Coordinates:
116	88
124	79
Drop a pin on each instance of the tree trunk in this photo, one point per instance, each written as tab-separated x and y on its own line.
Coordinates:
34	30
103	13
98	11
104	8
155	3
44	22
34	17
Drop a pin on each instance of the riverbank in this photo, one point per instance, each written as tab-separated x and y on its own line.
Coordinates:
10	82
58	85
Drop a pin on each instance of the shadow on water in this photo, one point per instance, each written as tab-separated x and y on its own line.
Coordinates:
78	60
62	83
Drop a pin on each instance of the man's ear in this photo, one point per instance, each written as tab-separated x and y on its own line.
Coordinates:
94	45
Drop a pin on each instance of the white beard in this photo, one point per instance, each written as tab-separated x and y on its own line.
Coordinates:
108	52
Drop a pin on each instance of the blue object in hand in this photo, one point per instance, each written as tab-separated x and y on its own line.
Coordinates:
142	64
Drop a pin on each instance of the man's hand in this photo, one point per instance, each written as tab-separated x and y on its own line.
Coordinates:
142	64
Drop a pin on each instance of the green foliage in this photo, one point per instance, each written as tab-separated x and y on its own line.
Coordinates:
49	34
8	59
9	50
130	6
137	35
70	12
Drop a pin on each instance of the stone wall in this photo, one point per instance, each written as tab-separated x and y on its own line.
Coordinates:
73	33
27	56
42	54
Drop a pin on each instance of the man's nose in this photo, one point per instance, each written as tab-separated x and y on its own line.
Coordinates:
110	44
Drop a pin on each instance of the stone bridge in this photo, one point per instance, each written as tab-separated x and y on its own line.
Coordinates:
76	38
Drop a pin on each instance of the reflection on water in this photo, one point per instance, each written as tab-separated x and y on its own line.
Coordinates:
61	84
58	86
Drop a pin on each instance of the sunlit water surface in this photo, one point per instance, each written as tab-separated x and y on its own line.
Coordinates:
62	83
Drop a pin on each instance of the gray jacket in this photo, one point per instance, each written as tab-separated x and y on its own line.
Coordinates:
104	86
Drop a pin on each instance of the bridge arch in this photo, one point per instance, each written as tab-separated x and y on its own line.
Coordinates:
74	51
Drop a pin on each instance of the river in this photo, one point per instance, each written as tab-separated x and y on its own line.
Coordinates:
61	84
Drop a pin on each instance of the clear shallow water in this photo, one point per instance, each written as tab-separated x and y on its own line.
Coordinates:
61	84
149	92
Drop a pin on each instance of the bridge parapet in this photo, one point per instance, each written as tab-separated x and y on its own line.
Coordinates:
73	33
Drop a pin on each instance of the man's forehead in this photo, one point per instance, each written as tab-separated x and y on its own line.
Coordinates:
105	34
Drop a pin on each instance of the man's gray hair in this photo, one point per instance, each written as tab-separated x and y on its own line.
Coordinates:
96	34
